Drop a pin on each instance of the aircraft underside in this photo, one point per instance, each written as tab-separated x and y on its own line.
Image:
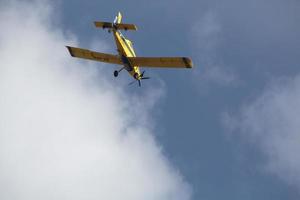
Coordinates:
127	57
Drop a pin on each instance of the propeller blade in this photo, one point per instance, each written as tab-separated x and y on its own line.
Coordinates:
141	77
132	82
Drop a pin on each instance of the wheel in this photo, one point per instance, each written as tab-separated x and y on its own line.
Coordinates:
116	73
136	75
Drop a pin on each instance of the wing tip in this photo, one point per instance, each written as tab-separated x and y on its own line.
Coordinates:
188	62
70	50
96	24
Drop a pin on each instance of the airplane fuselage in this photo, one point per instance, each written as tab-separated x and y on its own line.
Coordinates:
125	50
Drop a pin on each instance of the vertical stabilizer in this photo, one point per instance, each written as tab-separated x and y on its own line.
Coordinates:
118	18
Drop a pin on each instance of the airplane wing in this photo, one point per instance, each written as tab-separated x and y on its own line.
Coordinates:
96	56
168	62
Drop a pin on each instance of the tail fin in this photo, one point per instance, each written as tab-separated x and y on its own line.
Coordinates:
116	24
118	18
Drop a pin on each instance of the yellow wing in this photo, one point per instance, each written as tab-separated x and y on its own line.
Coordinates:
92	55
168	62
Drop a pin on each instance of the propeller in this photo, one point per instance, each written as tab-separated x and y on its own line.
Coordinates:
139	80
132	82
142	76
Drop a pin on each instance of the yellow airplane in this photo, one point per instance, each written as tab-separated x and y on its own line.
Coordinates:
127	56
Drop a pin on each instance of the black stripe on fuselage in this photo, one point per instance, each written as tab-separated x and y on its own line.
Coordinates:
124	59
126	63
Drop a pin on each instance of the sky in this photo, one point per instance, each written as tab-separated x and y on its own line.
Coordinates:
227	129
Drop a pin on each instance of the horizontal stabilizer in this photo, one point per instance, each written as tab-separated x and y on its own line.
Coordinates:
96	56
103	24
167	62
116	26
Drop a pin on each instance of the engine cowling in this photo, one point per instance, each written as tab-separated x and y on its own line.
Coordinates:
136	75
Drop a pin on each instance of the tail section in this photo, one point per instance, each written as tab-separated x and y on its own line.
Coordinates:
118	18
116	25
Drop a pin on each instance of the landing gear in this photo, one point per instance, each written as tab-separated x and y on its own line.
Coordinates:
116	73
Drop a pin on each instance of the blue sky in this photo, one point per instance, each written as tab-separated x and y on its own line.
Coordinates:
253	42
229	126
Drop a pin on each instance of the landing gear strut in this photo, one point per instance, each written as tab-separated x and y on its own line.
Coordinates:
116	73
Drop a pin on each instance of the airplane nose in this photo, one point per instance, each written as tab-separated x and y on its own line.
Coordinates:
136	76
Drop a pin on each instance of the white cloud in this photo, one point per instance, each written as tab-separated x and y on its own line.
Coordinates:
272	122
207	30
65	132
207	35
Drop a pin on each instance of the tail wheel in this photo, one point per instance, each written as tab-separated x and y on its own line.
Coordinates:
116	73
